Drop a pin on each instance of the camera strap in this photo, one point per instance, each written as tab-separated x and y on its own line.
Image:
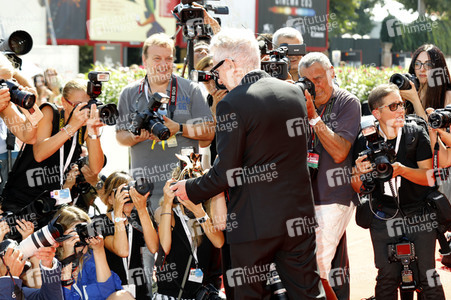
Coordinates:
193	247
173	94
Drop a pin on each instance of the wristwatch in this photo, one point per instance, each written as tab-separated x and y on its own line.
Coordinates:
181	128
203	219
93	136
119	219
313	122
99	184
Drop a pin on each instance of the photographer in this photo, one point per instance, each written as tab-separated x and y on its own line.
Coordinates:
11	266
182	229
334	117
85	273
124	241
398	201
61	133
150	157
289	36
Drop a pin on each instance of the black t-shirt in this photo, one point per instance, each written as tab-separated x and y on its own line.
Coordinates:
411	195
136	269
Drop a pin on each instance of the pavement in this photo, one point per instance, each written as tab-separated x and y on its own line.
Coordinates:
361	263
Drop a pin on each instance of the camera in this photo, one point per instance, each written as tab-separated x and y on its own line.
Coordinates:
21	98
151	120
278	63
305	84
278	291
17	43
142	186
403	81
44	237
204	76
38	212
440	118
108	113
207	292
89	230
81	185
379	153
404	252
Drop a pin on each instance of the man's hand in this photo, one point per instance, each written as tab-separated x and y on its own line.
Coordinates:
171	125
363	166
398	169
4	229
144	135
14	260
25	228
311	110
46	255
179	190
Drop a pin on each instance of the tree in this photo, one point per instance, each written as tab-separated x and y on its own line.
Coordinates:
432	6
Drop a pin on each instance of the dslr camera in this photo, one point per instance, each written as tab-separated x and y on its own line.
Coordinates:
151	120
204	76
108	112
403	81
141	185
440	118
379	153
81	185
89	230
278	64
21	98
305	84
17	43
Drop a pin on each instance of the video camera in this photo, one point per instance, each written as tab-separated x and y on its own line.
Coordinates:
278	64
17	43
192	18
440	118
151	120
404	252
108	112
21	98
305	84
380	154
403	81
204	76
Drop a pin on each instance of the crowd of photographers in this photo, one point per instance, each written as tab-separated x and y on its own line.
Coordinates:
393	165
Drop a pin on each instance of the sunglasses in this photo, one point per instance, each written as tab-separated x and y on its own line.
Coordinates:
71	103
427	65
394	106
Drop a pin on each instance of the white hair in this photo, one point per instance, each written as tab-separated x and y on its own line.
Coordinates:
314	57
286	32
237	44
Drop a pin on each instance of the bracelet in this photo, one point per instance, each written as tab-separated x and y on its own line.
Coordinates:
66	130
165	214
66	283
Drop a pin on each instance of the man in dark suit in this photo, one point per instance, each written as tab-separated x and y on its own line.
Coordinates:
262	145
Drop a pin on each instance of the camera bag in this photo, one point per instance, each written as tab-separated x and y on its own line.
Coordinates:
363	214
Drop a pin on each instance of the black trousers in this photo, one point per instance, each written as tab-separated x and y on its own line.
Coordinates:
341	261
295	259
423	236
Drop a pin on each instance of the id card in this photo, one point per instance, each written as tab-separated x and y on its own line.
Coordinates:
61	196
131	288
312	160
172	141
196	275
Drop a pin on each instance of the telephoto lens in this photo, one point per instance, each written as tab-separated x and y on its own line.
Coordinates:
22	98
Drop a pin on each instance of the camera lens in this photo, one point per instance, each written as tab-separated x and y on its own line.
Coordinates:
160	130
44	237
440	119
108	113
383	168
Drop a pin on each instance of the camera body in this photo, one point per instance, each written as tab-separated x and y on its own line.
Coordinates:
403	81
81	185
204	76
89	230
278	64
21	98
108	113
381	155
440	118
305	84
151	120
404	252
141	185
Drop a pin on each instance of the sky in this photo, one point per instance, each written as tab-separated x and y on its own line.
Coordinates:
394	8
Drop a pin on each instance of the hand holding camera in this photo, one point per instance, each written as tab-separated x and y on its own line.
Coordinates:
169	194
14	259
121	196
140	201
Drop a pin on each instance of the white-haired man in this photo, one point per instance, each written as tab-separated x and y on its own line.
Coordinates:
334	117
268	196
289	36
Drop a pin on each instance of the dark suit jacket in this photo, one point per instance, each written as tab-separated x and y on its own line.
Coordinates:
257	132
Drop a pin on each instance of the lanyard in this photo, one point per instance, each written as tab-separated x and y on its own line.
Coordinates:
173	96
179	213
64	165
398	138
126	260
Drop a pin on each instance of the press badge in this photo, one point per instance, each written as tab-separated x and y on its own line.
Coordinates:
172	141
196	275
312	160
61	196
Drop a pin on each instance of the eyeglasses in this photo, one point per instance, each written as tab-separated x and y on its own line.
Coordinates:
71	103
394	106
427	65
